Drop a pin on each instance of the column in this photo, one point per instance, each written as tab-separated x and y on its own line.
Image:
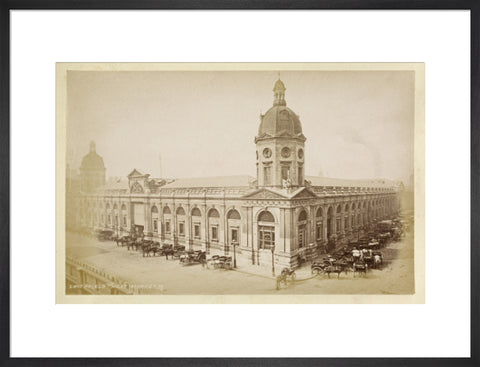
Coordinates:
188	224
206	234
289	230
244	231
148	218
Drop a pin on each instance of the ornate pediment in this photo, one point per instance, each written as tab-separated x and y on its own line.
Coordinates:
264	194
304	194
135	173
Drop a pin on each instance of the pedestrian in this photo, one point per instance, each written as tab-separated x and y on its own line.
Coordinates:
356	254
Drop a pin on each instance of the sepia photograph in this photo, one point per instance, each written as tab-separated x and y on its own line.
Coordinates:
269	182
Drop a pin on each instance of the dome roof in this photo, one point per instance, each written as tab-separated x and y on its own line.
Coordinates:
280	121
91	162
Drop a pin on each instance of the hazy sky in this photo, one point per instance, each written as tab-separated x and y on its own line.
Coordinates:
357	124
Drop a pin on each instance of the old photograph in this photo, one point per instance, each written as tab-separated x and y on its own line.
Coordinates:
288	182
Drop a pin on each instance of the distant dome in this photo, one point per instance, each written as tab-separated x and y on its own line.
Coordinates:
280	120
92	161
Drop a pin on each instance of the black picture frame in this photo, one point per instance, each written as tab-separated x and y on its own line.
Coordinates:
8	5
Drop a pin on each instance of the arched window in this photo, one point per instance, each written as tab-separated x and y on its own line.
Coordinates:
338	220
303	216
266	217
213	224
319	225
166	226
233	214
266	230
233	222
124	215
196	223
181	221
302	227
107	206
115	207
180	211
196	212
346	220
155	219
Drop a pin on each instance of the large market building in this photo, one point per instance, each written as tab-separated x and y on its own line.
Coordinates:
280	211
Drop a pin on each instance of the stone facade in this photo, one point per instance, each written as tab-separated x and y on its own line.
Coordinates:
281	212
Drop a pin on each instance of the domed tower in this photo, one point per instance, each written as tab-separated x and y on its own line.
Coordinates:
280	145
92	170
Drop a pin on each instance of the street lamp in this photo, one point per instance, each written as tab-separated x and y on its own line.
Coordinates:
273	260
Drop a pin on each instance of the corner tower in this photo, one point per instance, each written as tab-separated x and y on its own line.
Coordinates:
280	144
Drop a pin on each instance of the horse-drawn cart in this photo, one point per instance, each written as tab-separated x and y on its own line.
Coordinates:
193	257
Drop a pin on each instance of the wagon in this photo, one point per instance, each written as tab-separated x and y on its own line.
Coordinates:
223	262
193	257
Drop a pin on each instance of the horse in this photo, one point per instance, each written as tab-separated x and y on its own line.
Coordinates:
167	250
289	273
377	259
151	249
360	267
280	278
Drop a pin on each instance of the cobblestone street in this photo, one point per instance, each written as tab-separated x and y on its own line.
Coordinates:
156	275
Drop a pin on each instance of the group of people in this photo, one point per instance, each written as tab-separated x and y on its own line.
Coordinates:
359	255
363	254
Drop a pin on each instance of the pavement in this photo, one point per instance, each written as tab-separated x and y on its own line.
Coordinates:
156	275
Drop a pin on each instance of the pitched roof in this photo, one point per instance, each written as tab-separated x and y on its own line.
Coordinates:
136	172
341	182
276	193
218	181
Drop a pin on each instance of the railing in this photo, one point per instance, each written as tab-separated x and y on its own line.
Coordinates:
85	278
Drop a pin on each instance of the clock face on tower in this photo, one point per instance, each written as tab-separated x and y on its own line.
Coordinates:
300	153
285	152
267	153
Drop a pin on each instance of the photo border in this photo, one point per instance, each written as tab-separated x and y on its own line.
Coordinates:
417	297
243	5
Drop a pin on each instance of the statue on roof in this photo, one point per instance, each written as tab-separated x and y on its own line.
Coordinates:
287	183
